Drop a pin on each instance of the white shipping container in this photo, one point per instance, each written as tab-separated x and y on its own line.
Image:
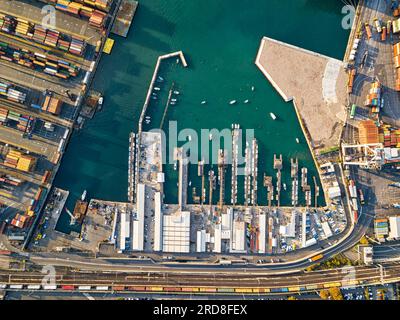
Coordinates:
33	286
49	287
16	286
102	288
84	287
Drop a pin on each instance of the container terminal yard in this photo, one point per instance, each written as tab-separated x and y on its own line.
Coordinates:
346	110
45	76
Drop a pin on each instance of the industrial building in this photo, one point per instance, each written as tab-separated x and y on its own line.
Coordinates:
176	232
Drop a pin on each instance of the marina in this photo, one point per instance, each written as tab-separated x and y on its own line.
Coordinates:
266	151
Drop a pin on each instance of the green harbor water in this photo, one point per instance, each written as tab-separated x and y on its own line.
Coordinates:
220	40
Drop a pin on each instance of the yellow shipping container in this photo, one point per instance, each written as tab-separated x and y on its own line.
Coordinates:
295	289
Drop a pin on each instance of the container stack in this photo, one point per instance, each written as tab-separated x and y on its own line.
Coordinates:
3	115
374	97
51	38
39	34
97	19
16	96
52	105
22	28
396	54
17	160
350	82
6	24
20	221
76	46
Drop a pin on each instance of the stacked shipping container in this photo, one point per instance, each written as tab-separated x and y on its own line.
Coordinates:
37	33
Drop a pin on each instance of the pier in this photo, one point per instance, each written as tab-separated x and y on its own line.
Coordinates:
278	164
167	105
221	178
235	156
181	157
294	173
254	171
131	168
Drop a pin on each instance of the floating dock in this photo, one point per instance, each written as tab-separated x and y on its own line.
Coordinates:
124	18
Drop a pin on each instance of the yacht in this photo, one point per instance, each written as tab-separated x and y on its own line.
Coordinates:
83	196
177	92
273	116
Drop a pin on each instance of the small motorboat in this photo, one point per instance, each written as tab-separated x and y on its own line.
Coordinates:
177	92
253	88
273	116
190	138
190	183
160	78
204	102
232	102
154	97
175	166
173	100
157	88
297	140
210	136
284	186
246	101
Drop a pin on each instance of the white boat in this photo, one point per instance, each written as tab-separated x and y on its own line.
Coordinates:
160	78
175	166
83	196
100	102
157	88
154	97
284	186
297	140
190	138
253	88
190	183
173	100
204	102
210	136
232	102
177	92
246	101
273	116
